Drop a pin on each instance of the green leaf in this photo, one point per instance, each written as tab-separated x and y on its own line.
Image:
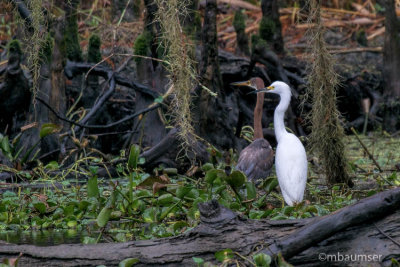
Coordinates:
40	206
128	262
251	190
287	210
52	165
49	128
133	157
236	179
83	205
206	167
282	262
5	145
234	206
182	191
72	224
104	216
224	255
165	199
89	240
159	99
179	225
262	260
198	261
93	169
270	184
279	217
92	187
150	215
213	174
121	237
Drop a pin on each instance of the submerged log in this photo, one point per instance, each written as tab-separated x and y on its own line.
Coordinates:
368	227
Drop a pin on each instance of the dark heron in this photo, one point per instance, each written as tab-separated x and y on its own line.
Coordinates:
257	158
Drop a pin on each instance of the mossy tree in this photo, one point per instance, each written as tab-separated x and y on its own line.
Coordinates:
212	111
270	25
94	56
326	138
391	67
15	92
72	48
239	23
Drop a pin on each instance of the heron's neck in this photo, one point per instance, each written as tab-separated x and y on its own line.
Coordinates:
258	133
279	116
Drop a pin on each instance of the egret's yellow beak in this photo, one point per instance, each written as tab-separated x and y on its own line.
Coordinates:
243	83
270	88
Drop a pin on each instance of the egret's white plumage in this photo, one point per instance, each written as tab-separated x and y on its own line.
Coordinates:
290	158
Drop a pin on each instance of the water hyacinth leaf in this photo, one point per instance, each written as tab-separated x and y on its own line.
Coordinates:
198	261
179	225
251	190
52	165
206	167
213	174
150	215
270	184
83	205
234	206
72	224
92	187
133	157
40	206
236	179
93	169
282	262
287	210
49	128
89	240
262	260
224	255
121	237
5	145
128	262
104	216
182	191
165	199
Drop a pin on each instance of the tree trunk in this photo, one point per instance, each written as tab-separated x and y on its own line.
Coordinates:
391	68
270	26
368	227
212	111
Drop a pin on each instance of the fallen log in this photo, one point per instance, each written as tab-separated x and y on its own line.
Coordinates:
356	229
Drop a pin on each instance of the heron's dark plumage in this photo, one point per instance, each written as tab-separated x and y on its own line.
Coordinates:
256	160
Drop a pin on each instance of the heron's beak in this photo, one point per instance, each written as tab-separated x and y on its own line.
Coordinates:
243	83
269	88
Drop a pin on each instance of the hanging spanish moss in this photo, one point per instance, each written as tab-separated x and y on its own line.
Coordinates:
36	40
179	64
326	139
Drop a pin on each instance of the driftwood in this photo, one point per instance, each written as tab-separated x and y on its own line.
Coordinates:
369	227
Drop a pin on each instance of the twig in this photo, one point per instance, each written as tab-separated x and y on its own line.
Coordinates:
357	49
366	150
383	233
150	108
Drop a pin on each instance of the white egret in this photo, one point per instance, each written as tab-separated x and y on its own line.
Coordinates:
257	158
290	158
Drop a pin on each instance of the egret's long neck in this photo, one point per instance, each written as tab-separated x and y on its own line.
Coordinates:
279	116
